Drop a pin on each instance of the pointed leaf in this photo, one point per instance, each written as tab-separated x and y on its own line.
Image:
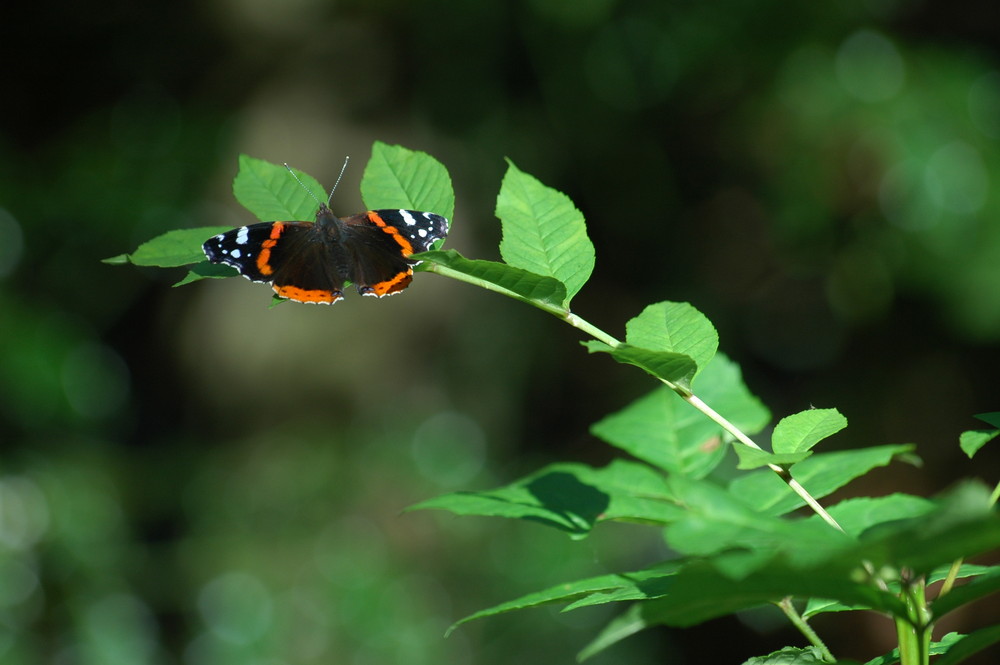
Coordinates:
716	521
206	270
992	418
957	648
571	497
396	177
801	431
517	283
543	232
662	430
179	247
790	656
821	474
971	441
751	458
673	367
271	193
676	327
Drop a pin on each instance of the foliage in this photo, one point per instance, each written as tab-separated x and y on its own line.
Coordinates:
735	543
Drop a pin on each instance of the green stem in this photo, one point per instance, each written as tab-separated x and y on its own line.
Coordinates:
803	626
914	629
685	394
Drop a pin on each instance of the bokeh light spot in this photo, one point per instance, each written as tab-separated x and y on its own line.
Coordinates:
236	607
870	67
24	513
449	449
956	178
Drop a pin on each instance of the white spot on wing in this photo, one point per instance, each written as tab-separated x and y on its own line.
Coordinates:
236	254
243	235
407	217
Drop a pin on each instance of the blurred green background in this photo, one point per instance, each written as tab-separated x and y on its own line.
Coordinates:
187	476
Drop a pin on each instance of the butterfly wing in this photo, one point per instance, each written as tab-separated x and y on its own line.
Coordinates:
290	256
379	243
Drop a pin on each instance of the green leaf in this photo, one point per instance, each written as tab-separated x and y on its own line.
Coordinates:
957	648
790	656
517	283
720	384
626	624
590	587
821	474
962	524
992	418
820	605
673	367
661	429
571	497
715	521
396	177
272	194
936	649
801	431
858	515
179	247
207	270
701	591
972	440
676	327
983	585
543	232
751	458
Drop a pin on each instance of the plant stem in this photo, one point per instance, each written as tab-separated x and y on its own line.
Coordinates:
786	606
914	630
685	394
697	403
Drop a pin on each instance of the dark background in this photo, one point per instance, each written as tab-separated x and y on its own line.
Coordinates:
187	476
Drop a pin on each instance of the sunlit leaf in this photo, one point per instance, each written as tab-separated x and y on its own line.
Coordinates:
543	232
801	431
396	177
271	193
179	247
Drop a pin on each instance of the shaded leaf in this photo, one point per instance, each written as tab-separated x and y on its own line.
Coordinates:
673	367
571	497
957	648
751	458
518	283
207	270
821	474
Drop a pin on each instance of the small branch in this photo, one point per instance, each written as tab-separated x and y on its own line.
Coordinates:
786	606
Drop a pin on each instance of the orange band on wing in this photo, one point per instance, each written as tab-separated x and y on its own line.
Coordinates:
264	258
393	231
398	282
308	295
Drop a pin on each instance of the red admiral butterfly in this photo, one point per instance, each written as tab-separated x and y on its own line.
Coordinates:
309	262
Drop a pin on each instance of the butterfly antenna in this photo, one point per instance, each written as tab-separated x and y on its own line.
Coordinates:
301	184
343	168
